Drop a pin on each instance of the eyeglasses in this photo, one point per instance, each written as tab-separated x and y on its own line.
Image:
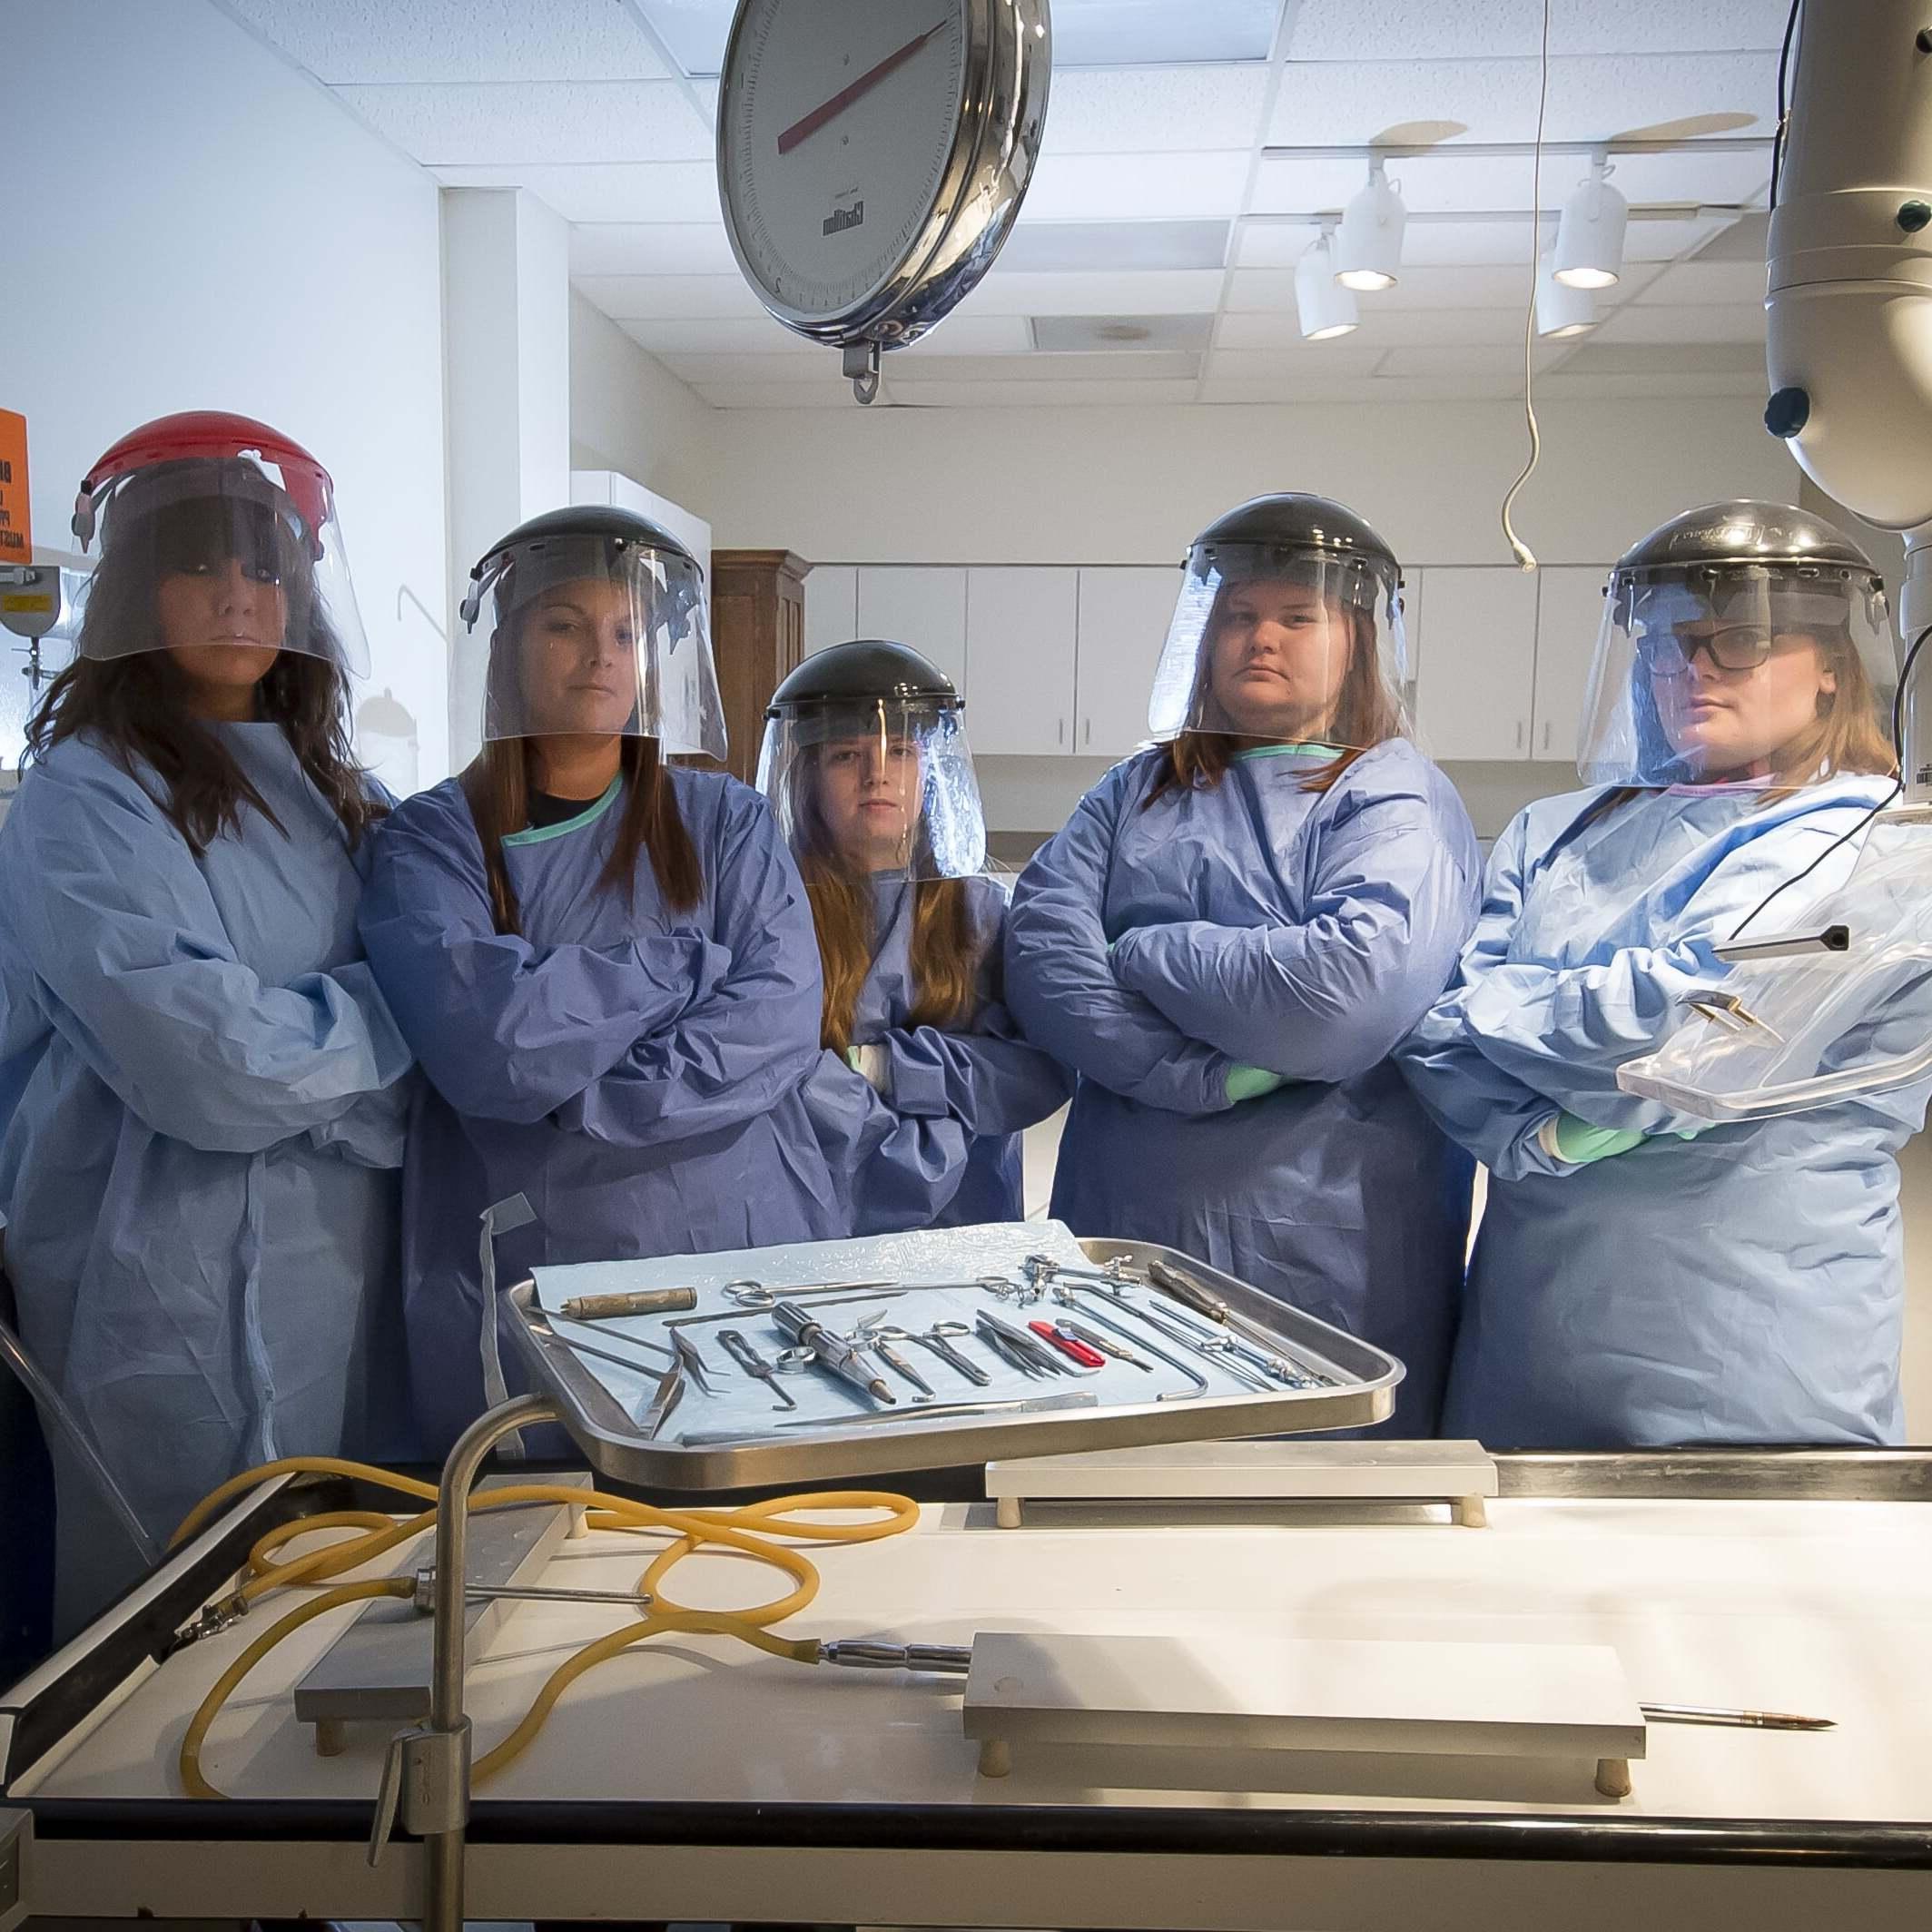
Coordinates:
1736	648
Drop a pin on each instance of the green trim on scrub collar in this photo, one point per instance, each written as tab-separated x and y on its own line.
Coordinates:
591	813
1298	750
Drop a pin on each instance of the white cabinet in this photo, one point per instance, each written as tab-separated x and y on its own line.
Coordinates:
832	605
1124	613
1568	610
924	605
1477	637
1019	650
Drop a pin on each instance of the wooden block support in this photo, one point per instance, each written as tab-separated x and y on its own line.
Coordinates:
1614	1778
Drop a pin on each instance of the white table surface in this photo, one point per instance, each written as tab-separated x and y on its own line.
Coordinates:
1824	1608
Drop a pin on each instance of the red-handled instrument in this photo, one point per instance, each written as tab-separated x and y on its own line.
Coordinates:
1068	1346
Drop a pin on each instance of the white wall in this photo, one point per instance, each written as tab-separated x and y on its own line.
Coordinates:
630	414
193	225
1116	486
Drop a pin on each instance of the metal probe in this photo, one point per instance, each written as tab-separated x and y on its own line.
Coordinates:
834	1354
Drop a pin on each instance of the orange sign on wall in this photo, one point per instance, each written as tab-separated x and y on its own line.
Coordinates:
16	514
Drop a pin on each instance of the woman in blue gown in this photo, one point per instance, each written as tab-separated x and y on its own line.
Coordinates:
1236	929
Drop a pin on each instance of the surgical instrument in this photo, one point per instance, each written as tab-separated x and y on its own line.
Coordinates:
1064	1293
1069	1346
749	1294
753	1363
1220	1351
1011	1355
1749	1720
424	1597
1231	1339
603	1354
694	1362
669	1393
644	1301
1020	1348
906	1418
879	1342
1110	1349
865	1653
936	1340
1186	1289
835	1356
825	1300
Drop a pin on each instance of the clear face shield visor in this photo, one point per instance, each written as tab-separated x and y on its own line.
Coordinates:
1748	675
882	786
598	637
1295	646
228	543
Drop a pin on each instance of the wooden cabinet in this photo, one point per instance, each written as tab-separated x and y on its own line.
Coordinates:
1568	611
758	631
1124	614
1476	637
1020	654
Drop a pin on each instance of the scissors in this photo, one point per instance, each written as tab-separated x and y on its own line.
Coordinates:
749	1294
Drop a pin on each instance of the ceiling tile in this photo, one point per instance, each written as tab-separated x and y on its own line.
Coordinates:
693	31
1468	358
971	335
1710	322
834	395
1051	246
1381	326
1637	359
1176	366
1566	385
348	41
1340	357
726	337
1425	30
1137	186
1175	292
625	191
670	298
1145	110
1038	395
542	120
650	248
1495	100
1139	33
1316	388
704	371
1693	284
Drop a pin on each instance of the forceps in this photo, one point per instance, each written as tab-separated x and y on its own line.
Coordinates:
749	1294
937	1339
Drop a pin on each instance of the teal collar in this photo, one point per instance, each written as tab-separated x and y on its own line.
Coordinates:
1308	750
589	815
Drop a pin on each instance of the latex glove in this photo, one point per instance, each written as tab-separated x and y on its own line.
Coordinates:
872	1062
1249	1083
1567	1138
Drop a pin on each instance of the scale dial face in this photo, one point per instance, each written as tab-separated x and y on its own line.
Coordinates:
839	123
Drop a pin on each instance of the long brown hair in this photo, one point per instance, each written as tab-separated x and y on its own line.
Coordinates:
947	948
497	785
1364	716
1844	741
126	691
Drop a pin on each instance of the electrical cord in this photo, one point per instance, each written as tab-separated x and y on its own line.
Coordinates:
746	1530
1525	556
1898	698
1784	62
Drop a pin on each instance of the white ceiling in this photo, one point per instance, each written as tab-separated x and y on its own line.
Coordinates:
1156	196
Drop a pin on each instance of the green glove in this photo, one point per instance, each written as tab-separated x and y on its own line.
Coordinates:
1249	1083
1579	1143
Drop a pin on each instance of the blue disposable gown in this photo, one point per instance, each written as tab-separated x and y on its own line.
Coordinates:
1743	1286
981	1073
639	1074
203	1098
1304	932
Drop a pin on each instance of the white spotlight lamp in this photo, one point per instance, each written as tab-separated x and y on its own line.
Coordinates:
1326	308
1368	251
1590	237
1562	310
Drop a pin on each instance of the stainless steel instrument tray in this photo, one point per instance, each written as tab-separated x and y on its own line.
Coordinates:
1366	1379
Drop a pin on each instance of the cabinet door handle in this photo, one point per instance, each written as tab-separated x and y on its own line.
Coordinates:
1059	730
1546	736
1519	735
1086	731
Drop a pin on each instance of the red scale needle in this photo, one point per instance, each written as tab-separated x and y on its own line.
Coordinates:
804	130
